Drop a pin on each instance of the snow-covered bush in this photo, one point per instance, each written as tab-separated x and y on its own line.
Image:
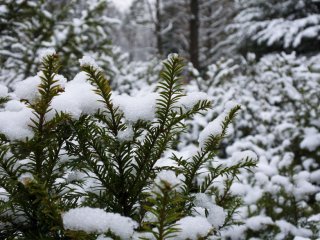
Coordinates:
280	95
74	28
78	161
276	25
137	76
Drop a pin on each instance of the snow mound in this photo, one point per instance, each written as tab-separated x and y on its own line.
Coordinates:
95	220
137	108
193	228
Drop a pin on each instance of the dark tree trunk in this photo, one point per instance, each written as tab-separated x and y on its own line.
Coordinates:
158	28
194	33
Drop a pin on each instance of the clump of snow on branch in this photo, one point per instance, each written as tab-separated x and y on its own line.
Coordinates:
126	135
87	61
78	97
95	220
25	178
137	108
216	214
311	140
238	157
14	106
44	53
171	56
193	228
258	222
168	177
187	102
3	91
28	88
15	125
215	127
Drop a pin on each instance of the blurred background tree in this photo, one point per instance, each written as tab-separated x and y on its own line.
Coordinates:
74	28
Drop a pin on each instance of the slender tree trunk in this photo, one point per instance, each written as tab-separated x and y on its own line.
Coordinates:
158	28
194	33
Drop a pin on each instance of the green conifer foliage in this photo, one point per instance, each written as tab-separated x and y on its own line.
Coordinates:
125	170
117	158
32	202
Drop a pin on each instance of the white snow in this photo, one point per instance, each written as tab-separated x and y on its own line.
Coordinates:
125	135
3	91
261	178
287	228
216	214
44	53
14	106
95	220
315	218
258	222
187	102
78	97
238	157
282	181
172	56
203	200
311	140
101	237
214	128
122	5
315	176
167	177
228	106
301	238
89	61
15	125
193	228
287	32
28	88
25	178
138	107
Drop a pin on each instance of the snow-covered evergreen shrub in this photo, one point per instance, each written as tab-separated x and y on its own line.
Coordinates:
137	76
262	26
80	162
280	95
32	138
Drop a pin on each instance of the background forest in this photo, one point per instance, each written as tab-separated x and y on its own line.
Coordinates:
138	147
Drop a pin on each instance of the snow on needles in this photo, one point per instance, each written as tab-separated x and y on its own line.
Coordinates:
78	97
88	61
215	127
238	156
193	228
216	215
258	222
15	125
126	135
187	102
28	88
44	53
137	108
95	220
3	91
168	177
311	140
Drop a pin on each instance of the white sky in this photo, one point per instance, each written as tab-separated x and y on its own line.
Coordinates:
122	5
